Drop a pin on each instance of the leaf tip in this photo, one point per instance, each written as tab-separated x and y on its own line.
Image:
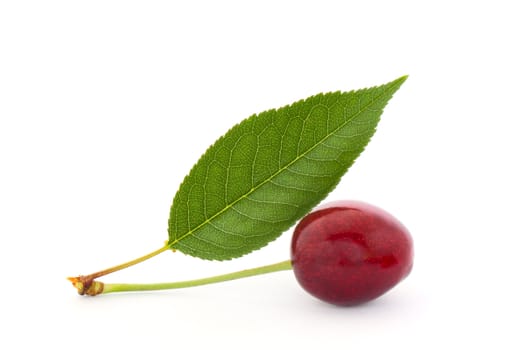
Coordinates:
401	79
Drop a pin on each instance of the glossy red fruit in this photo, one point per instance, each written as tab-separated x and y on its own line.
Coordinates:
349	252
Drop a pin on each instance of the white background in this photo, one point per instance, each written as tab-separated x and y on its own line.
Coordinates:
106	105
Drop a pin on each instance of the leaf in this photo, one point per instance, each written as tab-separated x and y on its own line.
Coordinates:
270	170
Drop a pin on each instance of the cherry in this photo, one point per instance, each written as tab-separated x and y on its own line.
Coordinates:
350	252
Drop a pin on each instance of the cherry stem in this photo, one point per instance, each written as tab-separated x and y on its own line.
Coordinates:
114	288
85	283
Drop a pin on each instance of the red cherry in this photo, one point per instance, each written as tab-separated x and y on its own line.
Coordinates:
349	252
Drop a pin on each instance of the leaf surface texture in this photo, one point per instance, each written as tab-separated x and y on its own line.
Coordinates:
270	170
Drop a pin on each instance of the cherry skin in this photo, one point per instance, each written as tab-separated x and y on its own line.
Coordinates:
348	252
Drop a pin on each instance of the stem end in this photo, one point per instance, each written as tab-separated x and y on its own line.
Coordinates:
86	285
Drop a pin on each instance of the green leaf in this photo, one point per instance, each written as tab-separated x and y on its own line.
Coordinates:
270	170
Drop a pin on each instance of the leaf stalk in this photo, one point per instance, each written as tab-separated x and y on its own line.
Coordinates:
86	284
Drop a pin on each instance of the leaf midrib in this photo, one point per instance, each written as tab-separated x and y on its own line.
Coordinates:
253	189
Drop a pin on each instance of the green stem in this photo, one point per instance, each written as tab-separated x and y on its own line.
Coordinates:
114	288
